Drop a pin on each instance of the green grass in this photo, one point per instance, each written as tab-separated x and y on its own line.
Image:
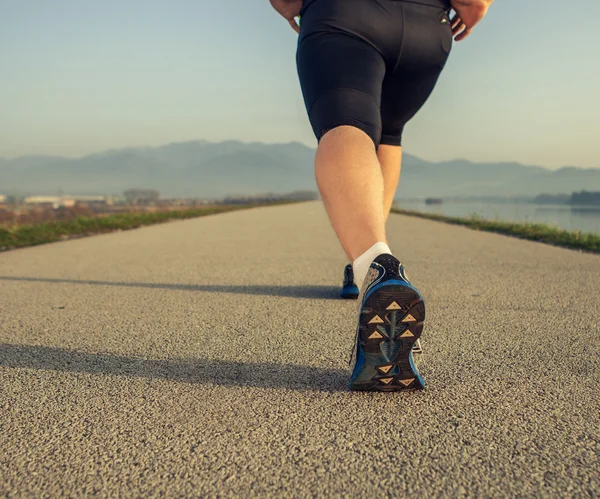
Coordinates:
19	236
534	232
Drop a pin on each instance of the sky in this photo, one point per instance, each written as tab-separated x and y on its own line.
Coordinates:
81	76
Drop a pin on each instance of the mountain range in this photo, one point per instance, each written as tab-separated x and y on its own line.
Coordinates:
213	170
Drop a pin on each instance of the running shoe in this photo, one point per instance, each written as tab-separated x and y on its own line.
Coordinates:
349	288
390	323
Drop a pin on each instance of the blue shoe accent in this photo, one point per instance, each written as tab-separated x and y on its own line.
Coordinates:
350	290
413	367
390	322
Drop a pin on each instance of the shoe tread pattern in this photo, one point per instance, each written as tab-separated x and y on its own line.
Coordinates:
391	321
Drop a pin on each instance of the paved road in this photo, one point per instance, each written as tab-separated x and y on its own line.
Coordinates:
209	357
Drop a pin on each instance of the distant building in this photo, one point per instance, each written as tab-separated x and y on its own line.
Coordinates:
92	199
142	196
47	200
64	201
2	198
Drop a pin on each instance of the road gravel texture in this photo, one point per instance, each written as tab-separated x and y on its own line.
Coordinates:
208	357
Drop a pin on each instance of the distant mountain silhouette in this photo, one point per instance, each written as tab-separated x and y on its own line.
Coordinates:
213	170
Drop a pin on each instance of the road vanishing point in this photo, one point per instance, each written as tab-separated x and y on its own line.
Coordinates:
209	358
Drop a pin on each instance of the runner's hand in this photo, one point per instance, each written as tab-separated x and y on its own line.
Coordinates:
289	9
468	14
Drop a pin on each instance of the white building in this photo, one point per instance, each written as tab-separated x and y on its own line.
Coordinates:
66	201
42	200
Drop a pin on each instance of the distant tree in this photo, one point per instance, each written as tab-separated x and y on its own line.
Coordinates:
13	199
585	198
141	196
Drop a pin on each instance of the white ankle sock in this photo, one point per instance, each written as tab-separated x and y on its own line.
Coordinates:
363	262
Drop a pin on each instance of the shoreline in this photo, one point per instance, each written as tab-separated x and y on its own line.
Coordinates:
584	241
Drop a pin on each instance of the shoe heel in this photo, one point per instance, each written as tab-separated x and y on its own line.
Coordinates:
391	321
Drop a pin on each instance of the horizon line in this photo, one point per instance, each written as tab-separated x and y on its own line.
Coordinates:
116	149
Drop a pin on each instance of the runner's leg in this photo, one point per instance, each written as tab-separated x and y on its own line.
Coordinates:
351	183
390	161
341	75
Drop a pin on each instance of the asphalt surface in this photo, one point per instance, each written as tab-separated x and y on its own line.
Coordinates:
208	357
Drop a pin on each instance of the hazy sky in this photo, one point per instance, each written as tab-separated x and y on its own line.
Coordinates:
78	76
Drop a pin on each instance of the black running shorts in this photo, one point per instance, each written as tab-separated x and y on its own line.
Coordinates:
371	64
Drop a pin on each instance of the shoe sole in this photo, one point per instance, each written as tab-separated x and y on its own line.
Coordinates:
390	323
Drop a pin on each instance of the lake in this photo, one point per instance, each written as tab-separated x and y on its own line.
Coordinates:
573	218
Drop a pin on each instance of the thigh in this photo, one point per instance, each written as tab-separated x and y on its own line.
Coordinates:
427	44
341	78
341	72
401	99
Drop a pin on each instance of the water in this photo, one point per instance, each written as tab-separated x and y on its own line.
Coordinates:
576	218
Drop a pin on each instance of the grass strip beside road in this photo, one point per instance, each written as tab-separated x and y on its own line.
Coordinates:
534	232
21	235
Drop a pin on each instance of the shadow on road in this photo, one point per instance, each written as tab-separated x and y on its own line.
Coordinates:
218	372
312	292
